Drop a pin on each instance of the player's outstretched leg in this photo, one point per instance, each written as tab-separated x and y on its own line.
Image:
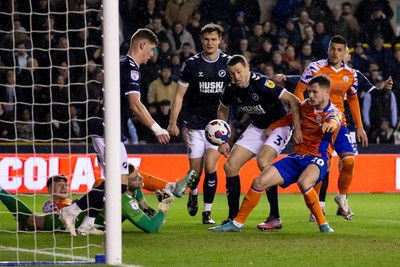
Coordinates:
183	184
229	226
273	222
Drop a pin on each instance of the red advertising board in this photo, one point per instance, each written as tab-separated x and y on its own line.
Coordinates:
27	173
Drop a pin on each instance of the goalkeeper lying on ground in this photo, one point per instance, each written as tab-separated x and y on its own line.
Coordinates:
134	206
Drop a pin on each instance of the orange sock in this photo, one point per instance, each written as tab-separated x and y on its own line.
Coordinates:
312	202
346	175
250	201
317	188
152	183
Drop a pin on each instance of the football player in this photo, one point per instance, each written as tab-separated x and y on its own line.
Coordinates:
307	164
265	102
202	78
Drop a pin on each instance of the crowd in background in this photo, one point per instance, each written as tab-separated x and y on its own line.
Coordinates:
51	57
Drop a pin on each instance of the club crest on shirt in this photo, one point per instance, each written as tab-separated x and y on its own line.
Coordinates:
222	73
255	96
269	84
125	165
134	204
319	118
134	75
345	78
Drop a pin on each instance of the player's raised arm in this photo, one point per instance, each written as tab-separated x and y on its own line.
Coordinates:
144	117
294	105
176	107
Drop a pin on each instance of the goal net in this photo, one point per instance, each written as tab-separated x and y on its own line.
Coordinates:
51	82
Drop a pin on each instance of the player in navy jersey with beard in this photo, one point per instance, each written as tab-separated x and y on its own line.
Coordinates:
201	81
265	102
142	45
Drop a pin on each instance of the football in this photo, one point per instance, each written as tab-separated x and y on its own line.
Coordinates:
217	132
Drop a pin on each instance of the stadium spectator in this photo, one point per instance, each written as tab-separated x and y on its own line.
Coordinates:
251	10
280	66
309	38
24	126
347	13
366	8
378	53
265	54
163	88
321	41
186	52
338	25
238	30
164	53
282	10
256	39
179	11
294	36
359	59
378	24
306	55
194	28
178	35
311	9
379	104
7	127
211	12
158	28
290	57
21	57
175	67
77	131
283	42
302	21
384	135
147	12
269	31
9	94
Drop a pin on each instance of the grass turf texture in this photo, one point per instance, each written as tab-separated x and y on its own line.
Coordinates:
372	238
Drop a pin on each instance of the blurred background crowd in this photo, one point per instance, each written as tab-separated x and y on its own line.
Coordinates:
51	57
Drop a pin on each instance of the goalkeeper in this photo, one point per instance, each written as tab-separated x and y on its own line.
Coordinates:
134	207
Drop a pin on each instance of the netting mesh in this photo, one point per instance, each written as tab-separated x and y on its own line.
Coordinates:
50	85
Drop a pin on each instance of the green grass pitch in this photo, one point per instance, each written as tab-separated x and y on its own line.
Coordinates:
372	238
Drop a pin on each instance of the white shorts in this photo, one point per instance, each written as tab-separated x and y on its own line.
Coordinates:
99	146
197	143
253	139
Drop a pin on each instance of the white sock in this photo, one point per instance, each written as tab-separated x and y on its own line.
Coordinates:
322	204
207	206
194	192
74	209
88	221
170	186
240	225
341	196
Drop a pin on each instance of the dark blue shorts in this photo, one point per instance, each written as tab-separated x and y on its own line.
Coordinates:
343	142
293	165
